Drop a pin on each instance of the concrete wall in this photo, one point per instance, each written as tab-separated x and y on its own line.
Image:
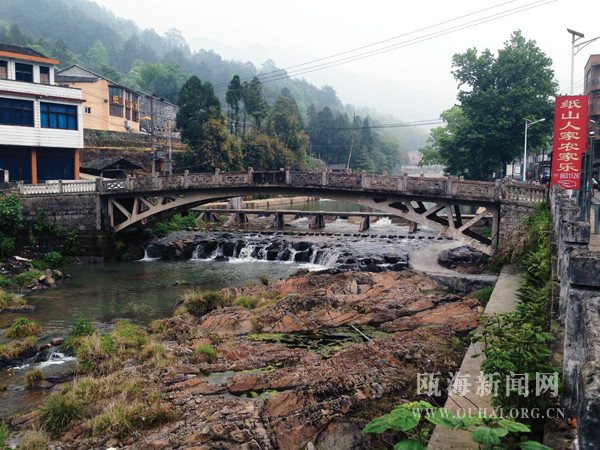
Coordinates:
576	270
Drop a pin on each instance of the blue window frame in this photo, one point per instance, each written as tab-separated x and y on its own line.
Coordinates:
54	115
16	112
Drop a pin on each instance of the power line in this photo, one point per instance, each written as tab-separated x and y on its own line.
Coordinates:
278	75
373	44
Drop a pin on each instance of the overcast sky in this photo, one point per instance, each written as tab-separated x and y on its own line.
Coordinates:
413	81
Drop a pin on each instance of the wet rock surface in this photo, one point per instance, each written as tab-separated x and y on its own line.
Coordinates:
344	252
270	386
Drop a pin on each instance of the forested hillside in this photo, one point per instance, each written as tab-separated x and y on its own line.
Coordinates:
81	32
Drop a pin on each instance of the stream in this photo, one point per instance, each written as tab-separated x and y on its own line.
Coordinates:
148	289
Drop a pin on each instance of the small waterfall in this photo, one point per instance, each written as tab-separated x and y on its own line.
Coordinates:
328	258
217	253
56	358
245	254
195	253
151	253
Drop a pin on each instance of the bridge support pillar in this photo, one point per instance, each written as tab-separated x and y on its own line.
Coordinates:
209	217
365	223
412	227
280	221
318	221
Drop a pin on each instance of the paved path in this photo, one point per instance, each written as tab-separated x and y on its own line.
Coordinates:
503	299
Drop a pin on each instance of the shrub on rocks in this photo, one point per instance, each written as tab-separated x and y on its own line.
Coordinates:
23	327
205	353
33	377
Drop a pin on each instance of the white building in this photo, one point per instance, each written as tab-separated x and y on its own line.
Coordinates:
41	125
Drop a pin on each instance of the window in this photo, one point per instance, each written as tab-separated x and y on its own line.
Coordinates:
116	101
53	115
44	75
3	70
24	72
135	114
16	112
88	110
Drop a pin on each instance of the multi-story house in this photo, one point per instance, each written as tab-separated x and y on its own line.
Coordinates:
592	89
41	124
108	105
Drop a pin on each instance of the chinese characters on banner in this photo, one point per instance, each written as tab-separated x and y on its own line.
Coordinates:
570	139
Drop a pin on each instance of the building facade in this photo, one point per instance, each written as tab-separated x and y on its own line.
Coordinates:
108	105
592	90
41	124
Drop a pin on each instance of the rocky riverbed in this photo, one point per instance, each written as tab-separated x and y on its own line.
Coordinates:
304	362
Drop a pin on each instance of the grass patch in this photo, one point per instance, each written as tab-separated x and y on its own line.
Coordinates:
121	419
15	348
27	278
248	302
205	353
105	353
58	411
22	327
199	303
34	440
81	327
33	377
4	282
483	294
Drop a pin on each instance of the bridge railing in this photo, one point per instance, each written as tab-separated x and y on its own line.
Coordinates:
442	187
58	187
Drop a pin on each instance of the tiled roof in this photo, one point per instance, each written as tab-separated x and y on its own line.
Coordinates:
20	49
105	163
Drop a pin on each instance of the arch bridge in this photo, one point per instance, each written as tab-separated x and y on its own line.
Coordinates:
432	202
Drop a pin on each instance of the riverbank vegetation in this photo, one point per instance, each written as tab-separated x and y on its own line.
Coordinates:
514	344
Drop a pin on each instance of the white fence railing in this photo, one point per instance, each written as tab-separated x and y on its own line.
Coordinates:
58	187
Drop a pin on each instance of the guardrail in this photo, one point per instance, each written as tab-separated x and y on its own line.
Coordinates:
448	187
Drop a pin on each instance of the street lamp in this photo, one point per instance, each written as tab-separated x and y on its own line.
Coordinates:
527	125
576	48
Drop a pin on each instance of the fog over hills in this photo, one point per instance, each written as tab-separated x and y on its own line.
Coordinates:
385	95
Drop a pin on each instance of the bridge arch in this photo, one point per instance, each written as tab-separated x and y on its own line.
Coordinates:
432	202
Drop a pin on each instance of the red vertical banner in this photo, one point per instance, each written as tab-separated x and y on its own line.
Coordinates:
570	139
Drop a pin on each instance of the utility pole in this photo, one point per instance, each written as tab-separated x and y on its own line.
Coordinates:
152	133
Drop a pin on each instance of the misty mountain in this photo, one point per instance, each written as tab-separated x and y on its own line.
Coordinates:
80	31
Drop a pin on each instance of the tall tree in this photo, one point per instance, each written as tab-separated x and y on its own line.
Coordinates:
254	101
233	97
97	55
498	93
203	129
164	80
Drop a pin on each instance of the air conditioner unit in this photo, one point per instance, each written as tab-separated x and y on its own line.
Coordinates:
127	124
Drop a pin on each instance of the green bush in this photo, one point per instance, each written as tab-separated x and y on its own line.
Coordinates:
58	411
7	246
22	327
11	219
81	327
205	353
71	245
53	259
4	282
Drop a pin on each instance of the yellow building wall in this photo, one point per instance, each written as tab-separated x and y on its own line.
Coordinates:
96	98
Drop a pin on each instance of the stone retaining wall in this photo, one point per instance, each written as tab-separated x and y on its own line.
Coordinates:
576	270
70	211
